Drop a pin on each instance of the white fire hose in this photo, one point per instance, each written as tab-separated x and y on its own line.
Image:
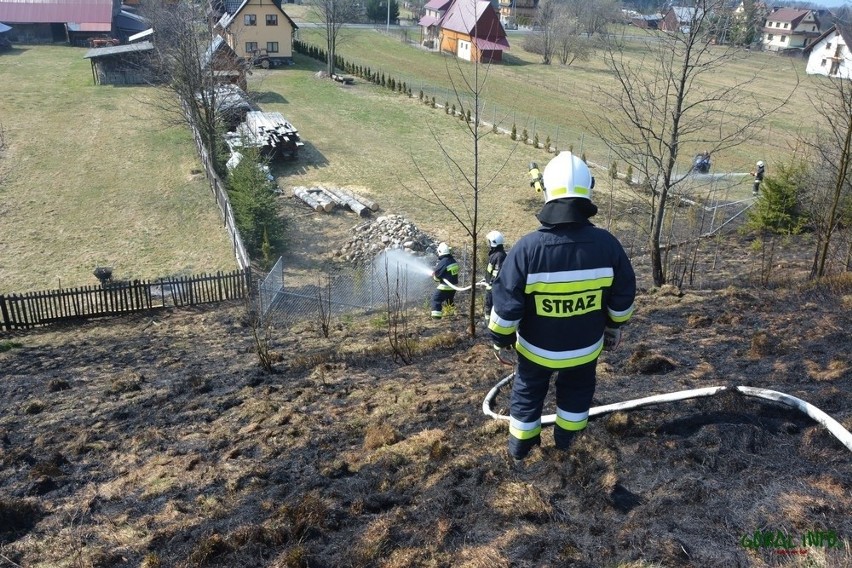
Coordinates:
480	284
832	425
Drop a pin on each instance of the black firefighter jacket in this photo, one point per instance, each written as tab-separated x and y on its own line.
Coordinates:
557	290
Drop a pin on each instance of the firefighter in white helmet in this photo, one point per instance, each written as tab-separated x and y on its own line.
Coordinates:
496	257
559	300
446	274
760	169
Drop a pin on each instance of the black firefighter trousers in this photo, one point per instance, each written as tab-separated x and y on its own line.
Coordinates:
575	387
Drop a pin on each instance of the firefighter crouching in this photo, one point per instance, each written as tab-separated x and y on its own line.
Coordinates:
559	300
446	274
496	257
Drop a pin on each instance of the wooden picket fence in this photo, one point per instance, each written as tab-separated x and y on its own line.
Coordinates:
34	309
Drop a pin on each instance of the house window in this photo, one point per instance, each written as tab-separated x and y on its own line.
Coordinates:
272	19
786	26
783	39
250	20
828	45
272	46
251	46
822	63
770	37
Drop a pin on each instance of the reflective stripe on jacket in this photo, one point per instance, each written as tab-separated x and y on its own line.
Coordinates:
446	269
496	257
557	290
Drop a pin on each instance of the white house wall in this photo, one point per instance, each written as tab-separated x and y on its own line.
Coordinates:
821	58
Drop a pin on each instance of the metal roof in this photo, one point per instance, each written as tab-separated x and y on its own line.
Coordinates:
89	27
55	11
96	52
140	35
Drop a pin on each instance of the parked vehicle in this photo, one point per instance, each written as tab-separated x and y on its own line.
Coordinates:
260	58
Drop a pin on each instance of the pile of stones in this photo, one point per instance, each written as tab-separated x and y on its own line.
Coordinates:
388	232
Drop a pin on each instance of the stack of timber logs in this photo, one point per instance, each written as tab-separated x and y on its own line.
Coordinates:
323	199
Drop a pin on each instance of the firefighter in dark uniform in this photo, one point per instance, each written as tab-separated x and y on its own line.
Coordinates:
446	274
559	300
496	257
758	176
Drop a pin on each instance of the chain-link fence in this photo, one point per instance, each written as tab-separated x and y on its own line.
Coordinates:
390	280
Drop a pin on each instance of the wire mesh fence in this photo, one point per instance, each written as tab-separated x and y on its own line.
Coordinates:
287	297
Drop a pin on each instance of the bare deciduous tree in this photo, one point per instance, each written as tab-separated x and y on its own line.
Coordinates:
557	33
463	200
829	200
663	107
333	14
182	40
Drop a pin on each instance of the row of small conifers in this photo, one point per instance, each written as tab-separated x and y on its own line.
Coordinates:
324	199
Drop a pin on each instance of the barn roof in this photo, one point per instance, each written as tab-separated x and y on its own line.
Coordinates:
437	5
791	15
463	16
56	11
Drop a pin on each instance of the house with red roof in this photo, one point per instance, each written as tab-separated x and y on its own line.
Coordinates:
49	21
430	31
471	30
789	28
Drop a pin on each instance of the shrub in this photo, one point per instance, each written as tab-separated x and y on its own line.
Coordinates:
547	144
255	207
629	174
514	132
778	209
525	137
535	139
613	170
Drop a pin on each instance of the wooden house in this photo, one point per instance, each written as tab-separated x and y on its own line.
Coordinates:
789	28
259	29
429	23
121	64
830	53
77	22
227	67
679	19
646	22
518	13
471	30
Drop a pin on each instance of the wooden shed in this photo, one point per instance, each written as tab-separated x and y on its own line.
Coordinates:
121	64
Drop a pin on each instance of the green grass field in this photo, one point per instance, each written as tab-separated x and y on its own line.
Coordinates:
92	176
565	102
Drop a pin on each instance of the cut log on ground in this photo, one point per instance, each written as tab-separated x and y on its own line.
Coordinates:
356	206
306	196
332	195
322	198
366	201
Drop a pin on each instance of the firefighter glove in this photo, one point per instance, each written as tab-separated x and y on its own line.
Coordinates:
506	355
612	338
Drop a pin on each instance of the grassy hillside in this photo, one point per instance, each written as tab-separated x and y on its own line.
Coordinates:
93	176
564	102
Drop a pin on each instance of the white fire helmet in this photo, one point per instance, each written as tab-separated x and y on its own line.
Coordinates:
566	175
444	249
760	163
494	238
